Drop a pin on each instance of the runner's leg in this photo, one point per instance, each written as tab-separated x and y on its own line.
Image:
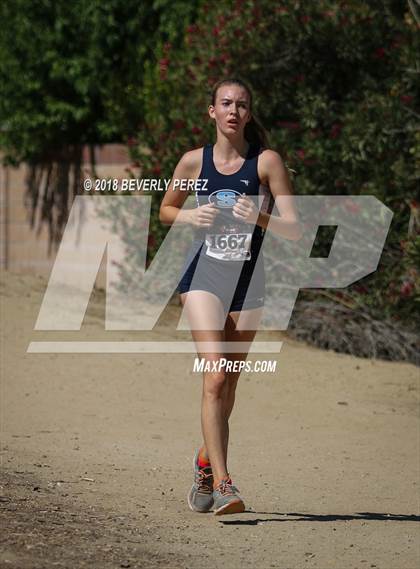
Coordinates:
251	318
206	318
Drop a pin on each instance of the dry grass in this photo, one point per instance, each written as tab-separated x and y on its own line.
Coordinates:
348	330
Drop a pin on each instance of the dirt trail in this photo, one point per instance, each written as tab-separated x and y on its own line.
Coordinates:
97	450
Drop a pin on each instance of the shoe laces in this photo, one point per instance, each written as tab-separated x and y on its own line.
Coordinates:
205	480
225	487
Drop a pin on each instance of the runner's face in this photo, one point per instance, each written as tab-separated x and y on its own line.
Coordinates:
231	110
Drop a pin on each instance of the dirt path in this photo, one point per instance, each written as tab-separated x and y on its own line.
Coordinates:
97	451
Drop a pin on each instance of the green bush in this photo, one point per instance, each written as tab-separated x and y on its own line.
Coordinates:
335	85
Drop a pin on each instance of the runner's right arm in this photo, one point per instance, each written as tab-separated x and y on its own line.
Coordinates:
188	168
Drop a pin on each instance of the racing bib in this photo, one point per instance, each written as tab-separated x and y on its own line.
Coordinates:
229	246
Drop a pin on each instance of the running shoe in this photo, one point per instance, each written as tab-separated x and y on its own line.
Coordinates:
200	497
227	499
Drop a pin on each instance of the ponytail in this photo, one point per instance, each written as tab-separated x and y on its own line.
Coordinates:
255	133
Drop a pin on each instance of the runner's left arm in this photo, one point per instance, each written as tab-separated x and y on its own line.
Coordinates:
274	174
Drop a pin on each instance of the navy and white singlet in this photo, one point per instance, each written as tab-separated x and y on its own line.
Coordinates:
229	251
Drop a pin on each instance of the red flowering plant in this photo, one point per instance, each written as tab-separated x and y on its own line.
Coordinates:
333	83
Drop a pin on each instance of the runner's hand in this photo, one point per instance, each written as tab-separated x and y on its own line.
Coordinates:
245	210
204	215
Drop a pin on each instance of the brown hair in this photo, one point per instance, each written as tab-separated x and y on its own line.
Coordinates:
254	132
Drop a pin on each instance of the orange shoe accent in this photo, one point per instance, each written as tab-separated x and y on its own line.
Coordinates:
203	460
236	507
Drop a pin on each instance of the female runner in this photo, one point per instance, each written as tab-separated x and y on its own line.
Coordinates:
216	287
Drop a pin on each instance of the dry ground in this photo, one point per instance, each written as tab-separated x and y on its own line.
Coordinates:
97	449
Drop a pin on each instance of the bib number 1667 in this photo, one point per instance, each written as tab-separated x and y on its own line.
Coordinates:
234	241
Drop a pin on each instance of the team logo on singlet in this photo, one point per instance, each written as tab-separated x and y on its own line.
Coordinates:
230	239
224	198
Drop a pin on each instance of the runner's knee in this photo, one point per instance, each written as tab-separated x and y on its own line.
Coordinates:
215	385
